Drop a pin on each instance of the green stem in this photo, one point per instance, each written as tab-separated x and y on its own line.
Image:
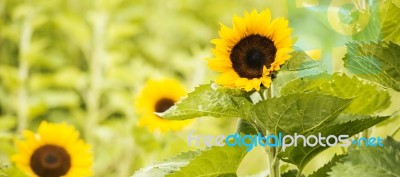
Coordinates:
299	173
96	64
273	160
274	170
23	72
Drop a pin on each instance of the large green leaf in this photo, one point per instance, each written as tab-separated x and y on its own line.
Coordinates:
214	161
299	65
298	113
217	161
368	98
308	114
390	14
207	100
370	162
167	166
323	171
342	125
377	62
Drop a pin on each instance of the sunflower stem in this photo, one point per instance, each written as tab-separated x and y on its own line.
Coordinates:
299	173
273	160
23	72
96	65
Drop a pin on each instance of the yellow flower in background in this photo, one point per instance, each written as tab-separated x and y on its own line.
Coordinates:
54	151
251	51
157	97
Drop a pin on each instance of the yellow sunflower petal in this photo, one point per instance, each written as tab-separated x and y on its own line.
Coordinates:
227	78
266	81
235	49
256	84
59	141
163	92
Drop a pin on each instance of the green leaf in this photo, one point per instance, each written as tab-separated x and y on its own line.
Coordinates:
368	98
167	166
370	162
298	113
342	125
323	171
300	61
217	161
246	127
308	114
390	15
291	173
207	100
299	65
392	142
377	62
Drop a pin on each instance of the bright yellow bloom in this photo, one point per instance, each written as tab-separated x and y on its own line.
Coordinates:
251	51
54	151
157	97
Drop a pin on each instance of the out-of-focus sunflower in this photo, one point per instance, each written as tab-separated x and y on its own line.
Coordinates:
157	97
251	51
54	151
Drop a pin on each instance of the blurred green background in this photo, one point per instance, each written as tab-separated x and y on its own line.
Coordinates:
84	62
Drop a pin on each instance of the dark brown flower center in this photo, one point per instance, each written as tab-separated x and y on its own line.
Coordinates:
250	54
50	161
164	104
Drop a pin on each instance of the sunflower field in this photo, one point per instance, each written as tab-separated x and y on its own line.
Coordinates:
190	88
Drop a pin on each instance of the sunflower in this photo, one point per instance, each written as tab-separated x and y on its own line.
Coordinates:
54	151
157	97
249	53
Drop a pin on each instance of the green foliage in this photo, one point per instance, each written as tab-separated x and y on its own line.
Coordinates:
7	122
298	113
76	60
368	98
291	173
9	170
323	171
213	162
246	127
390	14
88	59
3	170
167	166
210	100
377	62
308	114
389	141
370	161
299	65
218	161
342	125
